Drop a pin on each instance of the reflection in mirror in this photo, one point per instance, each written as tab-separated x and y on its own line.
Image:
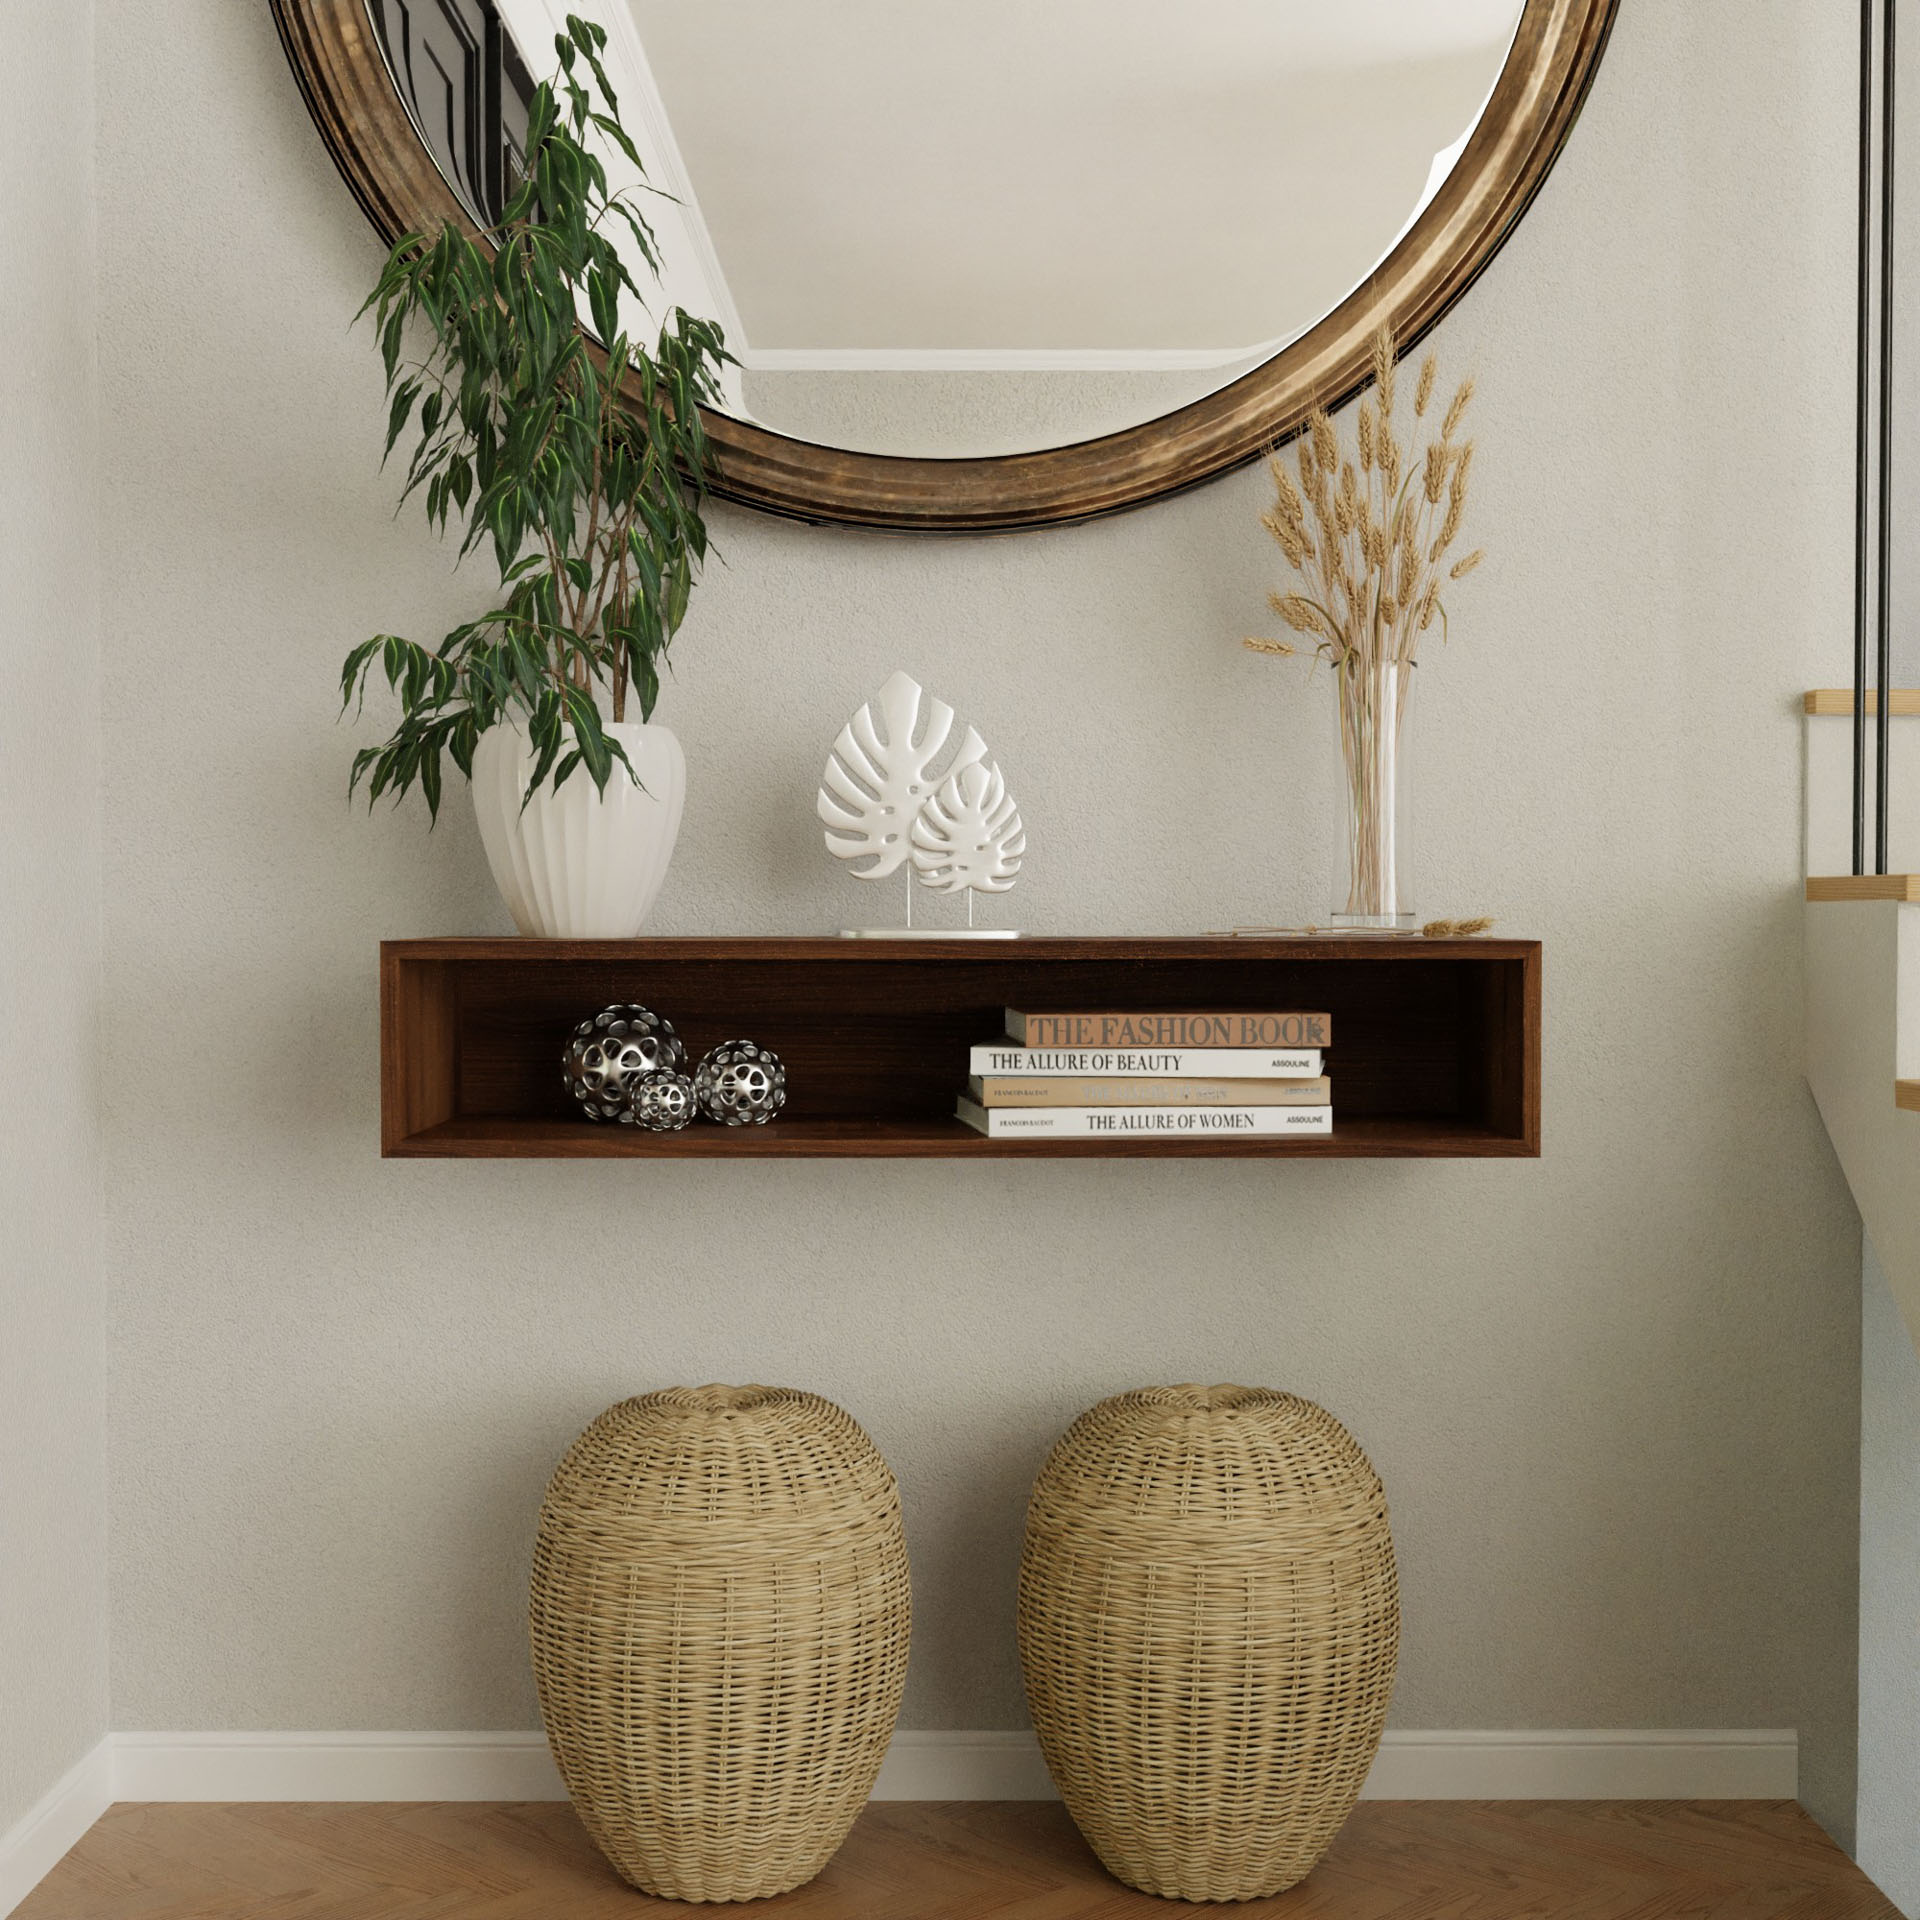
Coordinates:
946	229
466	87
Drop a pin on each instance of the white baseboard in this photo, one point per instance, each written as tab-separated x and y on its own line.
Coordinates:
334	1766
1547	1764
964	1766
34	1846
1605	1764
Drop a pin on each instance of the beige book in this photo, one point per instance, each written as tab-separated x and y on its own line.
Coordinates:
1112	1029
1066	1090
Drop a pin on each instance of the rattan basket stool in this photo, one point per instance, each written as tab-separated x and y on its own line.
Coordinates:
719	1620
1209	1622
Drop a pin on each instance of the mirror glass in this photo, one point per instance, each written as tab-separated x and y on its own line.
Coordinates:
946	229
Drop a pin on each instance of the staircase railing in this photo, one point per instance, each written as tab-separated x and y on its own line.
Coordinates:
1873	491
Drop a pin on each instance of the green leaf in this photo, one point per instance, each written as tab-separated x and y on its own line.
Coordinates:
353	673
611	127
603	299
679	592
391	336
404	396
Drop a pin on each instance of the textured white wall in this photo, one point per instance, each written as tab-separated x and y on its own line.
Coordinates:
53	1658
1888	1841
1612	1392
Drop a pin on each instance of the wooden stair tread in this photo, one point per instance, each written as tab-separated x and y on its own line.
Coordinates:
1864	886
1839	700
1906	1094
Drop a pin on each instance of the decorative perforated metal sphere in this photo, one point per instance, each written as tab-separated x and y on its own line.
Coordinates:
609	1055
662	1103
741	1084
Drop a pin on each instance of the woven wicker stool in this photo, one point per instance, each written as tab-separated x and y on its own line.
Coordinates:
719	1620
1208	1625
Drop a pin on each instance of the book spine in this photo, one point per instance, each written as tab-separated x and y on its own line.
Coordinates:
1141	1123
1065	1090
1117	1029
1182	1063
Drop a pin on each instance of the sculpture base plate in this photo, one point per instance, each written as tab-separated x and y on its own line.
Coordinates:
929	933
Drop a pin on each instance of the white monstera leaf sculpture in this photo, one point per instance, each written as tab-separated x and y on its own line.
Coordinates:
880	775
968	835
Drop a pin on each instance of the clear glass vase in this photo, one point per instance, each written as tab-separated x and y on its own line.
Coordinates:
1373	877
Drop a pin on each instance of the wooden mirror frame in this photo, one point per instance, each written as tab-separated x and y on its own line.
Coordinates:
1556	50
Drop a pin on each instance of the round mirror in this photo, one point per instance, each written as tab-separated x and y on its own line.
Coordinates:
1008	263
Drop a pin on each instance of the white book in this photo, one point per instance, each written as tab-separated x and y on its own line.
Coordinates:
1157	1063
1136	1123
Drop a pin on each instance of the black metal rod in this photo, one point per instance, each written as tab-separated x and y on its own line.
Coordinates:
1883	663
1862	476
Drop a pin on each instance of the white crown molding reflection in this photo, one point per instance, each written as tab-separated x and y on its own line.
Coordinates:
1001	359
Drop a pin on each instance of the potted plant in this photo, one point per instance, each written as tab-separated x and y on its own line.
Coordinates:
580	465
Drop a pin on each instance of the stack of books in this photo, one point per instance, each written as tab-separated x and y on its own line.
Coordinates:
1183	1075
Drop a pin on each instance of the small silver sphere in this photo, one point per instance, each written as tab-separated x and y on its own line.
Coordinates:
662	1103
740	1084
609	1055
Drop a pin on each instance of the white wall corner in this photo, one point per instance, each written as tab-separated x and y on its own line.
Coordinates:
35	1845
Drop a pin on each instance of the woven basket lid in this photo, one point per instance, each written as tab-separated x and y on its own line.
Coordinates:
751	1462
1205	1458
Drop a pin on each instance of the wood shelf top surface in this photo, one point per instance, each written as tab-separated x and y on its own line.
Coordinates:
838	1137
999	953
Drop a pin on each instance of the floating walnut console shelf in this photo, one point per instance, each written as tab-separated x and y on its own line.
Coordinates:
1436	1042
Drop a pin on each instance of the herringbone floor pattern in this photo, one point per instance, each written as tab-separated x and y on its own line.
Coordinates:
1405	1860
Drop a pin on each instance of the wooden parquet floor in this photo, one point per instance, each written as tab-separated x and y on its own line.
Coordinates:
1012	1860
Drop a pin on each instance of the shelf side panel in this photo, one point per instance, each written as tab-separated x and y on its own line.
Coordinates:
1501	1005
419	1047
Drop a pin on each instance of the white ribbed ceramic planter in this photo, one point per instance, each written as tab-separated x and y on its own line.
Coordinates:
576	865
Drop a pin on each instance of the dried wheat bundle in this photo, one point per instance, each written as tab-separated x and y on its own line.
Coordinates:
1368	536
1369	533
